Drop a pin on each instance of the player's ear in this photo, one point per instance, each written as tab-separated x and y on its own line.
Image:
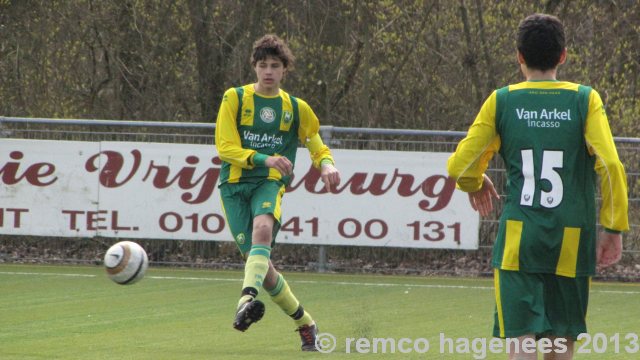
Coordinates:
563	56
519	57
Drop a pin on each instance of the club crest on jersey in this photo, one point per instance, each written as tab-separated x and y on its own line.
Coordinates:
267	115
287	117
240	238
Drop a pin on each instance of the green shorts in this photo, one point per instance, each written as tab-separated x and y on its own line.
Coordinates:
540	304
241	202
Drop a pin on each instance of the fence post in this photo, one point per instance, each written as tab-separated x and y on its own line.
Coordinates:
321	264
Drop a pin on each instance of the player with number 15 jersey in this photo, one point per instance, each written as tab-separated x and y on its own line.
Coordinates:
554	137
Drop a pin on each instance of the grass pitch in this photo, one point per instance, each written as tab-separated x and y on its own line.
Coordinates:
71	312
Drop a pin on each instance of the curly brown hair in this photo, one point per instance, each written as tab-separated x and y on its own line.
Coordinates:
272	45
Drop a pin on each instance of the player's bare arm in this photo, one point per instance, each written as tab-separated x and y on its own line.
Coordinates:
482	200
330	176
280	163
608	249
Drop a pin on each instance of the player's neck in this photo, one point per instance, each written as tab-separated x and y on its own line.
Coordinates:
538	75
266	91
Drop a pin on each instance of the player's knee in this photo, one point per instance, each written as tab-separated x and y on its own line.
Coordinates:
262	233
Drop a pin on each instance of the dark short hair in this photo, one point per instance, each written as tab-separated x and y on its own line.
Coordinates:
272	45
541	41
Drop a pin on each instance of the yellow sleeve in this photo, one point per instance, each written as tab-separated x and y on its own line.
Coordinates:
471	158
613	179
227	137
308	133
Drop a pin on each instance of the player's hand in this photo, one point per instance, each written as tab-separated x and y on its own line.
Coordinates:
280	163
481	200
330	176
608	249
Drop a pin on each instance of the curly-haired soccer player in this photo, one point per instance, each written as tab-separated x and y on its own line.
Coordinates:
258	129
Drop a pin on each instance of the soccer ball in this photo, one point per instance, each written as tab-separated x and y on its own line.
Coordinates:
126	262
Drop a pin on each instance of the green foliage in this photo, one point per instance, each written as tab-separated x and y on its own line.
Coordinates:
377	63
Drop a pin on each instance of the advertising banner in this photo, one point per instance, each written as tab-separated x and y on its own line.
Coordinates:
169	191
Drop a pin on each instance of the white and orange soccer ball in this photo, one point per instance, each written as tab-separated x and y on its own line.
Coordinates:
126	262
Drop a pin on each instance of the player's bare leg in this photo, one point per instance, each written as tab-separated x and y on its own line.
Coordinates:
256	268
517	348
282	296
560	353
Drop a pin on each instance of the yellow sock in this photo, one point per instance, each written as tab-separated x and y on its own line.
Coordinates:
255	269
243	300
283	297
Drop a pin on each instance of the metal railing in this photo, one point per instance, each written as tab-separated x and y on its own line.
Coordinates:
336	258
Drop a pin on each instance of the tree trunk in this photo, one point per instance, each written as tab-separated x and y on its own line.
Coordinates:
470	58
199	14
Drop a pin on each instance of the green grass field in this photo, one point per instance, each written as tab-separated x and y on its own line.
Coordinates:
71	312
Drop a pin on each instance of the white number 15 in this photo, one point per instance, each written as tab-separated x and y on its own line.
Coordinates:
551	160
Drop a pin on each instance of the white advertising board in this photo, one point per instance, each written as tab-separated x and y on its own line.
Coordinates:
169	191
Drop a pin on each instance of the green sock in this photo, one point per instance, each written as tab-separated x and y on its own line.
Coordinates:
255	270
283	297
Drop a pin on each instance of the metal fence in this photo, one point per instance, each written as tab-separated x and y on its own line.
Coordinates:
317	258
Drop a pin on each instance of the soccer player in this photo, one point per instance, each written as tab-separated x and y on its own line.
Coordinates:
554	137
257	133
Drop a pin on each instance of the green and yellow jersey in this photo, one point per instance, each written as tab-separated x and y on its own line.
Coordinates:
250	127
554	137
